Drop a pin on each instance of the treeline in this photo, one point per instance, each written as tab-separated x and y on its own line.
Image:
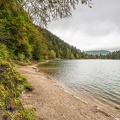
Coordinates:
110	55
113	55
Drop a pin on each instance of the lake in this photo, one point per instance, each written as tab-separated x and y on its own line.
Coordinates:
96	81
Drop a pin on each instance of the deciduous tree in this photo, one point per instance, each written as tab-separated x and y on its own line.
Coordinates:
43	11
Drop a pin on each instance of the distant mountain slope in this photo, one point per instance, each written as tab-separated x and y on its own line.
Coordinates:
97	52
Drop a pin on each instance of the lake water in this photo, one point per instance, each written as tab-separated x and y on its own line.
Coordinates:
89	80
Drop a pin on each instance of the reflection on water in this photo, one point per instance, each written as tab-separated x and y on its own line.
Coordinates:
99	78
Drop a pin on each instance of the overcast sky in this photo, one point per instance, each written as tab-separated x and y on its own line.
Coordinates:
93	28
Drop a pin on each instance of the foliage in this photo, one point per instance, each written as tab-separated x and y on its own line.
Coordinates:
113	55
22	63
52	54
110	55
22	114
29	88
25	41
28	114
22	41
60	49
21	56
43	11
16	26
3	51
12	84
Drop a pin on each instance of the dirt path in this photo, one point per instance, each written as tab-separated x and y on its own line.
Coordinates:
52	103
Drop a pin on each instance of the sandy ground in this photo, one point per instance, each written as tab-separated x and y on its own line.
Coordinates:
53	103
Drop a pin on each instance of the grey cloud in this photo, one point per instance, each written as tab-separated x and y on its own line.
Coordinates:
99	23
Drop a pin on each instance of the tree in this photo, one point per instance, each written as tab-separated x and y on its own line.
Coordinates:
43	11
72	56
68	53
4	33
76	56
52	54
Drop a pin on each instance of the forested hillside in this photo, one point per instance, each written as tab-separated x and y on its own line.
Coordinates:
22	40
25	41
113	55
98	52
57	48
110	55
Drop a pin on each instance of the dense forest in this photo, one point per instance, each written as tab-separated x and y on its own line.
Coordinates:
21	40
98	52
109	55
113	55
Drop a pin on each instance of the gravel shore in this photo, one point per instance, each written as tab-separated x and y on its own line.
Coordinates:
53	103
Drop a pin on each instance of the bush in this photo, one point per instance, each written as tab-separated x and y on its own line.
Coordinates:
28	114
21	56
12	84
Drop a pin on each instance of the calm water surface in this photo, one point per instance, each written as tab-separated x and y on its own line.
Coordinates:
88	79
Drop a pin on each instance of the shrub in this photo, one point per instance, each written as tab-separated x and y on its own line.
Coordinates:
28	114
29	88
12	84
21	56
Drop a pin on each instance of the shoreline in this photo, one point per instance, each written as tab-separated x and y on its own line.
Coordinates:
54	103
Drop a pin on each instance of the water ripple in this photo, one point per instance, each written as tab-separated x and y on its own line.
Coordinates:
100	78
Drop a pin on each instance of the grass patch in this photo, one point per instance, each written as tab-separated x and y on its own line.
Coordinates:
29	88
